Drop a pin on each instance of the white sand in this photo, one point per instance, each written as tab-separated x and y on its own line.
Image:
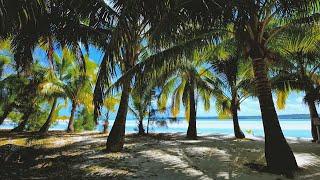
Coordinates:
174	157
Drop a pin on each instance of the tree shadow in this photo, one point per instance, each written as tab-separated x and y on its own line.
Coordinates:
154	156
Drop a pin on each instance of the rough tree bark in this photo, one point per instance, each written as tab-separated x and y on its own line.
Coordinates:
116	137
192	128
140	127
313	114
278	154
70	128
234	110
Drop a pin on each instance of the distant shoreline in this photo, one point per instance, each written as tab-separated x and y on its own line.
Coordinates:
285	116
288	117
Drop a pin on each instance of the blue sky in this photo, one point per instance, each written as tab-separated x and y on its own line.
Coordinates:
250	107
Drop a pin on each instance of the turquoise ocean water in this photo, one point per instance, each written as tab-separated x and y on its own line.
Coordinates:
292	127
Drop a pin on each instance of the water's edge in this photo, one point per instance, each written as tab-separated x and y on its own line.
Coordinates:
299	128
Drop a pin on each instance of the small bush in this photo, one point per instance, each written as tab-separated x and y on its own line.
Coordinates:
84	121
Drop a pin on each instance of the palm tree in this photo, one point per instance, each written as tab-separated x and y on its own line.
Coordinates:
299	51
234	77
126	45
10	88
141	100
7	104
28	96
67	81
51	21
186	83
110	104
52	93
255	24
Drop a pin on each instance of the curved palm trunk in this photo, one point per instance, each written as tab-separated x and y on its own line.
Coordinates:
140	127
6	112
23	123
313	115
115	140
278	154
192	128
236	127
70	128
46	126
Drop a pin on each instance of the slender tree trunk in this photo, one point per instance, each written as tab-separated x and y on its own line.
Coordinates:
44	129
105	127
106	124
6	111
23	123
236	127
148	124
278	154
313	115
192	128
116	137
71	120
140	127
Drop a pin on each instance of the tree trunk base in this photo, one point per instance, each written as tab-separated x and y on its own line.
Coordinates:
240	135
115	147
192	137
115	141
43	130
141	133
192	131
17	129
70	131
280	160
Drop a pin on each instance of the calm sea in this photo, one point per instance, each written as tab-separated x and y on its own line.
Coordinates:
293	127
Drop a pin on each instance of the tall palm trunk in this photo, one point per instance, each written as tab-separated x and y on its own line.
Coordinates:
23	123
70	128
140	127
6	111
278	154
46	126
192	128
234	110
115	140
313	115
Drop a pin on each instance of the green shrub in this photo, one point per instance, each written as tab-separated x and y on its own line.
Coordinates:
84	121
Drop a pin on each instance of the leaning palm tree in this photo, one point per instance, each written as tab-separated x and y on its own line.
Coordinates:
299	70
66	80
126	44
6	83
52	92
28	96
255	24
10	90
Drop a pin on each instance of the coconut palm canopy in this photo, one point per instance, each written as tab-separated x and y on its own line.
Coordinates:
176	53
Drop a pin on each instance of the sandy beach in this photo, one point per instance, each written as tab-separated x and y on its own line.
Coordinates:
157	156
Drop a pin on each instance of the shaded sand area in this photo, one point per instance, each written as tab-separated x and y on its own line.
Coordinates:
158	156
